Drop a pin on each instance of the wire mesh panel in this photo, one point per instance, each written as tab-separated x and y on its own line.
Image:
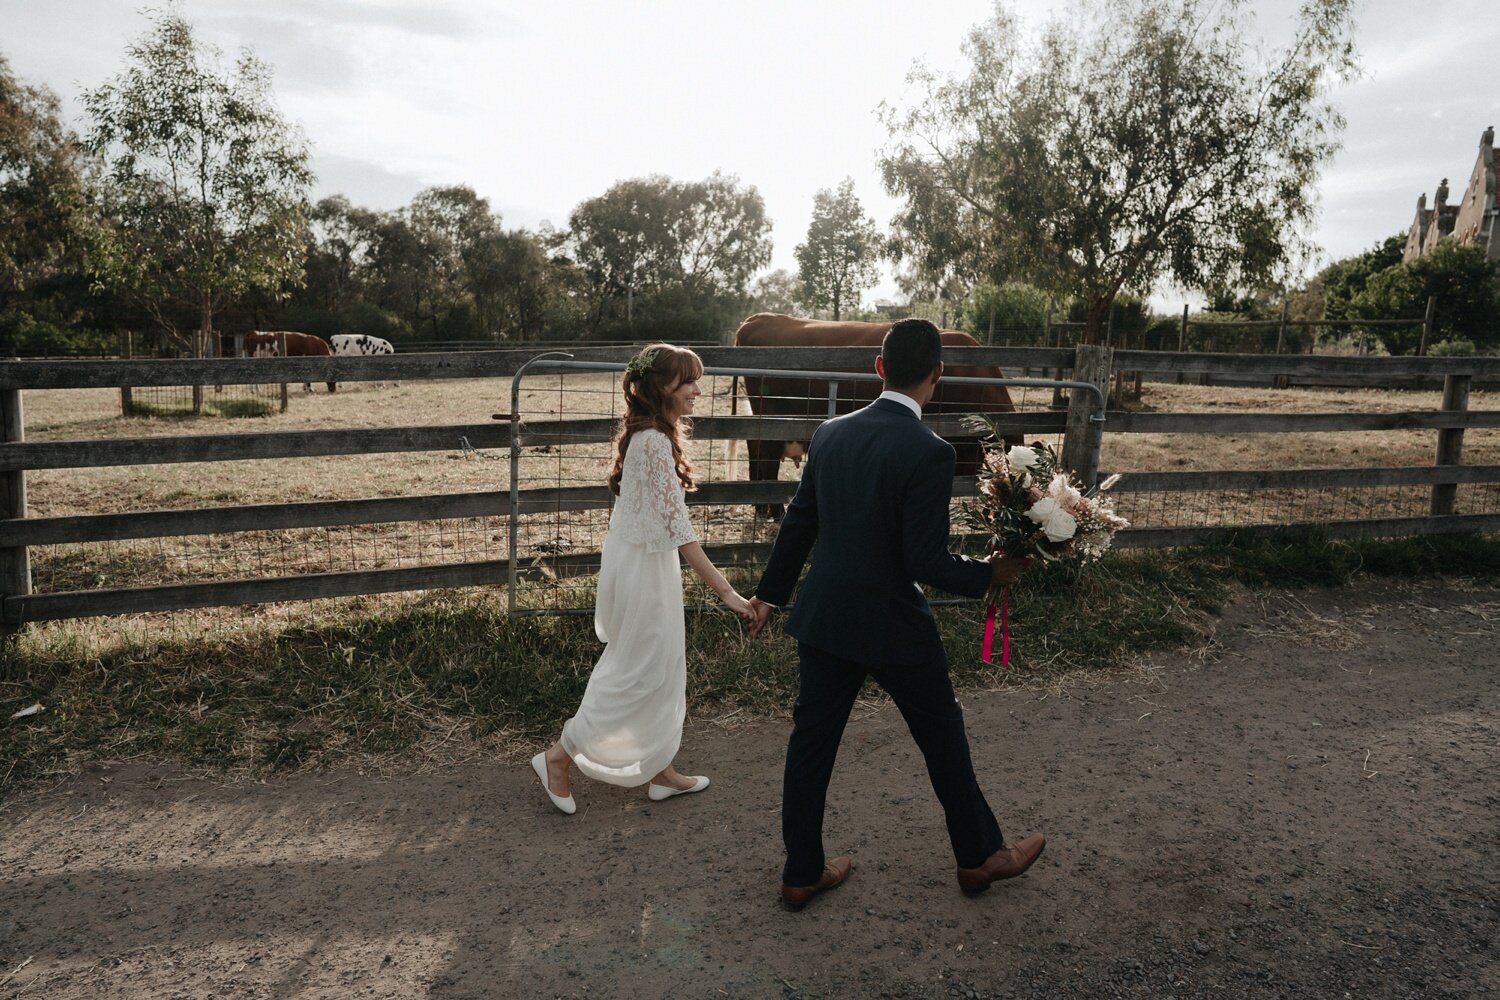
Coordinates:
1289	450
254	400
569	423
180	559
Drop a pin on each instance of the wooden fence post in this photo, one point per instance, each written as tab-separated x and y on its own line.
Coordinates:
1282	380
1091	363
201	350
281	352
1182	341
1427	324
1140	344
127	401
15	562
1450	444
1054	335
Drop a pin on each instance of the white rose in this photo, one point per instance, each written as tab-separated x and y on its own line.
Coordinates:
1057	524
1021	458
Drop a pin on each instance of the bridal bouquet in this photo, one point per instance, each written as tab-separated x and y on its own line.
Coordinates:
1030	508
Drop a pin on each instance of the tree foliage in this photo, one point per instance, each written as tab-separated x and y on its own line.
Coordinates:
1015	311
1461	280
45	225
441	268
671	256
207	182
778	291
1344	280
1134	140
837	261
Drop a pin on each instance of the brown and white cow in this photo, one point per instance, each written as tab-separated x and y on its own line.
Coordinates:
793	397
267	344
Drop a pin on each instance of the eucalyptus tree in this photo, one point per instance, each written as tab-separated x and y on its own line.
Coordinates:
44	213
778	291
207	181
838	260
340	246
679	253
1131	140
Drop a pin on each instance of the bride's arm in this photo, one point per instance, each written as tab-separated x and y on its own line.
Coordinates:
695	557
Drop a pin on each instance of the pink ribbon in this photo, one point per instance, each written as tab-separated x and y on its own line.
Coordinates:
987	647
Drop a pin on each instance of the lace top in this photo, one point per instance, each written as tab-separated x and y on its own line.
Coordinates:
651	509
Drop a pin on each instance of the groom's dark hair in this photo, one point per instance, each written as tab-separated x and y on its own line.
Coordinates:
910	352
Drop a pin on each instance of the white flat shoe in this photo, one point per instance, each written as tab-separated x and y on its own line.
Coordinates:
660	793
564	804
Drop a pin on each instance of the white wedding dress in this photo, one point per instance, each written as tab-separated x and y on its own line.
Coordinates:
629	724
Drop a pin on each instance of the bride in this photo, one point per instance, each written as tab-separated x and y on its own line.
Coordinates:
629	724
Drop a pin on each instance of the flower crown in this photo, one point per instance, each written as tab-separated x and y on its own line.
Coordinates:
641	363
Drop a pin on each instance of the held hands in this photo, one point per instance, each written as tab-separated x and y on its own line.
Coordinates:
743	608
1005	570
762	612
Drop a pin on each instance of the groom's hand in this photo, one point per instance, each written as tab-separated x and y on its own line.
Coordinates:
1005	571
762	612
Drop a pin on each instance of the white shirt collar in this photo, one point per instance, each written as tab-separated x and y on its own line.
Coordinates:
903	399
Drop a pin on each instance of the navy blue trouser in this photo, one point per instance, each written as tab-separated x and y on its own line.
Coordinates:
924	695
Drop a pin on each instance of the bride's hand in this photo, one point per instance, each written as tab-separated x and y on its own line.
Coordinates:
739	606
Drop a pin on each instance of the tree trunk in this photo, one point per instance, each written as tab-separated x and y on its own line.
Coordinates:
205	329
1098	313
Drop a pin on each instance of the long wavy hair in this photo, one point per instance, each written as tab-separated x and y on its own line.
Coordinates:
646	394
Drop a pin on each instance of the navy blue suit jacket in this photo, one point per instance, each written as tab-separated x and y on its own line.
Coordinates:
872	510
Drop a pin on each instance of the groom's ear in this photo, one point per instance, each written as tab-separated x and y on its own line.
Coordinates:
937	373
880	366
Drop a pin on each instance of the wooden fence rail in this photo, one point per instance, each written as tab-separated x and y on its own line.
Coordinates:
18	532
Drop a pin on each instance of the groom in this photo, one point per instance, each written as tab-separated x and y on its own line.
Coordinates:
872	509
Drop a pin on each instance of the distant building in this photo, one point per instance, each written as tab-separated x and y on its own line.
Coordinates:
1475	219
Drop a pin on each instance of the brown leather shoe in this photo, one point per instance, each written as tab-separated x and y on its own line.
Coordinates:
1008	862
795	897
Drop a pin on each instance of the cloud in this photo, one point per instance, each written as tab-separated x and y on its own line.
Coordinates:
363	182
434	18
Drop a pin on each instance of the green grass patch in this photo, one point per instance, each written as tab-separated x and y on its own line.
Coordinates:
357	684
251	406
233	407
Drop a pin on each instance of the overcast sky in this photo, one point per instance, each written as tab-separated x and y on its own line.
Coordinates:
540	105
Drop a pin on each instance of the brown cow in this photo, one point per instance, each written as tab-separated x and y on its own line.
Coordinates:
791	397
267	344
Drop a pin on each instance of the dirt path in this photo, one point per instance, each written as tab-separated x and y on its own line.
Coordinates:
1309	810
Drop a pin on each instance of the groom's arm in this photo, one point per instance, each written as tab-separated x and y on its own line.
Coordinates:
925	552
